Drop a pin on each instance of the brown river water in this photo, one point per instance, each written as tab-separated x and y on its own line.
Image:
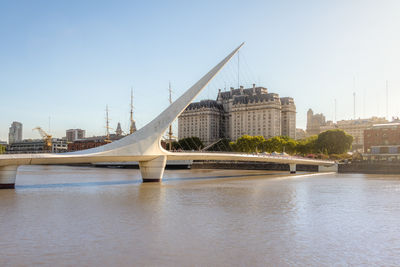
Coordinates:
78	216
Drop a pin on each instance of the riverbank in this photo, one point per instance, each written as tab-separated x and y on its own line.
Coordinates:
244	165
386	167
236	165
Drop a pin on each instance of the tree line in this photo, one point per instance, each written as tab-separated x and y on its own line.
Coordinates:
329	142
326	143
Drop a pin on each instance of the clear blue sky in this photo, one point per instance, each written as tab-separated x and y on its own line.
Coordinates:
68	59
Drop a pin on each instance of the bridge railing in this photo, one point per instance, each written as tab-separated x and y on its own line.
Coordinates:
262	154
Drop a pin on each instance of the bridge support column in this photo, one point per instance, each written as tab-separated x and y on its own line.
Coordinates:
292	168
7	176
153	170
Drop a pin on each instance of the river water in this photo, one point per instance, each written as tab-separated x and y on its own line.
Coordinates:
78	216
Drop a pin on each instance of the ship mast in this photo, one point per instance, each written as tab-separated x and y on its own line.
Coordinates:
107	140
170	126
132	127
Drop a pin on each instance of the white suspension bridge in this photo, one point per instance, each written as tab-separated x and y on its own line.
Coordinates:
144	146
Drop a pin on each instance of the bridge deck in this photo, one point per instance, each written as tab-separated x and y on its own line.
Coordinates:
32	159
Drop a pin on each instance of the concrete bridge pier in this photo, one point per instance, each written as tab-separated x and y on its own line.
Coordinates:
153	170
292	168
7	176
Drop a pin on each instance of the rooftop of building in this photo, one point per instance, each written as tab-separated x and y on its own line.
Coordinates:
35	141
362	121
341	123
113	137
253	94
386	125
208	103
74	130
245	99
287	100
241	96
242	91
29	141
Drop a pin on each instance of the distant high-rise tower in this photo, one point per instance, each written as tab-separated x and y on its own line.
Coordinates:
74	134
15	133
314	122
119	130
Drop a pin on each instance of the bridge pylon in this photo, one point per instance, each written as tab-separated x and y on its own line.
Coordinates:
7	176
153	170
292	168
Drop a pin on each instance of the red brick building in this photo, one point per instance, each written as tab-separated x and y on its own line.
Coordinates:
382	139
91	142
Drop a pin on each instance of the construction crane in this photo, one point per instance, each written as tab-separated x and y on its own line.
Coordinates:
46	138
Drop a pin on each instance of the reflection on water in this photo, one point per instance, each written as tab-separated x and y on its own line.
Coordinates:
90	216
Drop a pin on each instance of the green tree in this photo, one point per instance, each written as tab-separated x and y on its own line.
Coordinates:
291	146
307	145
334	142
2	149
248	144
280	144
242	144
257	143
329	142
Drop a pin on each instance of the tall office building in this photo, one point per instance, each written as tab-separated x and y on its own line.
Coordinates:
74	134
237	112
288	117
314	122
15	132
202	119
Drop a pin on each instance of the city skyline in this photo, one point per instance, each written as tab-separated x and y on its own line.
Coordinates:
68	64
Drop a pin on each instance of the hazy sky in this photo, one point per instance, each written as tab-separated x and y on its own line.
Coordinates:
68	59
